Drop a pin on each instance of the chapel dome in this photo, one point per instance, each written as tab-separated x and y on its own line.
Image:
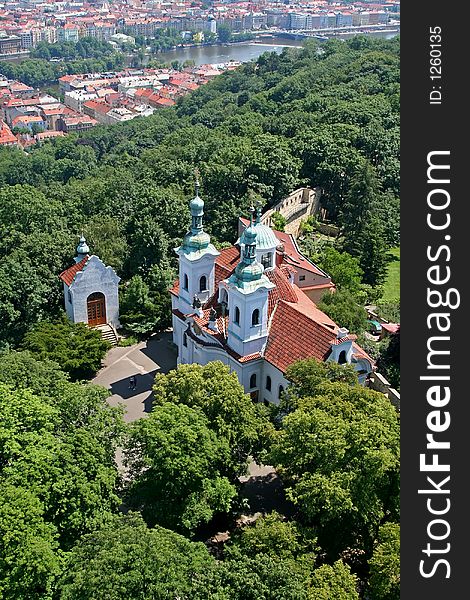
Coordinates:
265	238
197	206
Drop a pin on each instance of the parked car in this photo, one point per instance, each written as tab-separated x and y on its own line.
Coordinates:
374	327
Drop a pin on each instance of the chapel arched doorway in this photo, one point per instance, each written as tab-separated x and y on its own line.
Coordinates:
96	309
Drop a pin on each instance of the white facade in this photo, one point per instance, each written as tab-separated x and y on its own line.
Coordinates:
258	377
94	279
239	325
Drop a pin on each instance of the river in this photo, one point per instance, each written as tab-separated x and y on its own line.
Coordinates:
243	51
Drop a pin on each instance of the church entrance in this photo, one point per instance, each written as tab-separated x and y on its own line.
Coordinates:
96	307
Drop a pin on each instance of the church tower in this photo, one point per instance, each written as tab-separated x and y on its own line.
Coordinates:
196	260
248	290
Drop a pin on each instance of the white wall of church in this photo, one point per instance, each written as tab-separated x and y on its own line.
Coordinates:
244	337
68	304
277	380
195	270
95	277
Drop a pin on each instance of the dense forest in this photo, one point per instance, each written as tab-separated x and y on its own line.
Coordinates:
86	56
327	118
323	116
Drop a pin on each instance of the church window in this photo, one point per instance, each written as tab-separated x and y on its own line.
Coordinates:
70	297
185	340
266	260
255	317
281	391
203	284
185	282
237	316
253	381
342	357
268	383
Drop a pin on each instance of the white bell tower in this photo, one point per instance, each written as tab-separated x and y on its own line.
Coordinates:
248	291
196	260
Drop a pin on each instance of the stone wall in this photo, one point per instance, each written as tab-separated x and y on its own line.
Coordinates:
296	207
380	384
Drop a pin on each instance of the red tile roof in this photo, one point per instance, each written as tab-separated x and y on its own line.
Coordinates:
68	275
297	328
293	336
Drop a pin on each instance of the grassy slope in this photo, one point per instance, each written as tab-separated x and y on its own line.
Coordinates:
392	283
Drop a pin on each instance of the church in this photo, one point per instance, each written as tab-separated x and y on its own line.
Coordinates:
91	290
251	306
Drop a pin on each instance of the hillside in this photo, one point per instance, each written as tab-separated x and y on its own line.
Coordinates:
300	118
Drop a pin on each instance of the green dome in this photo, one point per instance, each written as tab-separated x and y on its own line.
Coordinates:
265	238
82	247
249	272
196	241
197	206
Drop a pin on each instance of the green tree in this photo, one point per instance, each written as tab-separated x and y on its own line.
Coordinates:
384	581
359	206
275	536
334	581
373	253
307	376
278	221
23	370
230	412
29	561
125	559
146	305
61	449
224	33
176	465
105	236
344	473
343	308
343	269
77	348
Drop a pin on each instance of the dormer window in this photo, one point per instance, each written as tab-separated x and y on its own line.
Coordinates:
342	359
267	260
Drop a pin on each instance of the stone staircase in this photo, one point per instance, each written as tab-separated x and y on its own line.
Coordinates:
108	333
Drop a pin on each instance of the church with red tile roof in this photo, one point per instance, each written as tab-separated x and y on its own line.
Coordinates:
245	306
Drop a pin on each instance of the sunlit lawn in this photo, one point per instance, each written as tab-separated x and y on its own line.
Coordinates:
392	283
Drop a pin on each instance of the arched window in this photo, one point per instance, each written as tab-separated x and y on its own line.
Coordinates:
237	316
268	383
281	391
253	381
342	357
266	260
255	317
203	284
185	282
185	340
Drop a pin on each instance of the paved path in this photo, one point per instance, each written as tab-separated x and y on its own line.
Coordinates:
144	360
